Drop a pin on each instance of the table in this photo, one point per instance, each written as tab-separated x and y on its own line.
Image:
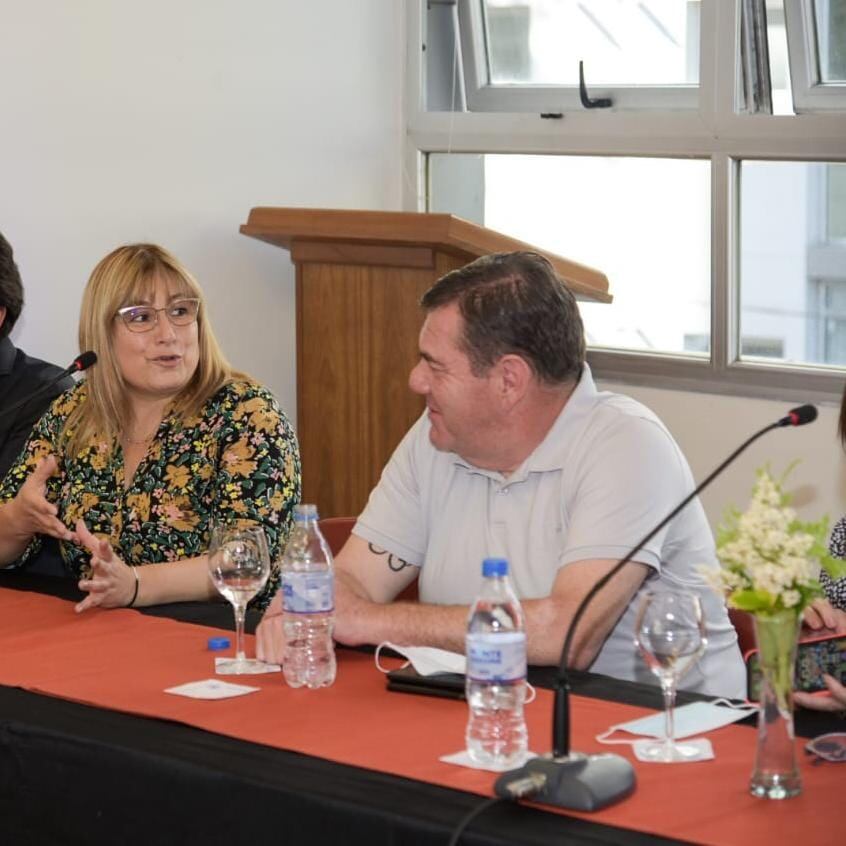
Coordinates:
72	773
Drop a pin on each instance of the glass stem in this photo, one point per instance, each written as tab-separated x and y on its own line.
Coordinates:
668	688
240	613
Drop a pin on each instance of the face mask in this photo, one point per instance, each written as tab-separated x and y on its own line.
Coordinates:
426	660
695	718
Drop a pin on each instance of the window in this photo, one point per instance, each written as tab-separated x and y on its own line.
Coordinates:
816	32
525	55
604	212
711	194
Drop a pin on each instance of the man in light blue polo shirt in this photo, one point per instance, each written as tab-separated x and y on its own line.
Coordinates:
518	455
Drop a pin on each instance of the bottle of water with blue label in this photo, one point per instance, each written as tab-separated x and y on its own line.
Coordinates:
308	604
496	672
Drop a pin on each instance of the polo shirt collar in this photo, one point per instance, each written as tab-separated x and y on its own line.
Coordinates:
7	356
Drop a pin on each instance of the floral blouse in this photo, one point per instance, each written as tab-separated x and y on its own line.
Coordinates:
835	589
237	460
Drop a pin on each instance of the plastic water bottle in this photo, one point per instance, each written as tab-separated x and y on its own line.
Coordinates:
308	604
496	672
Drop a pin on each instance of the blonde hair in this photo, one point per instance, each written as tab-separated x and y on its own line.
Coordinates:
127	276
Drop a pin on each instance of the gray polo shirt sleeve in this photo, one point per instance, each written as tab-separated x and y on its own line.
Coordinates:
394	518
629	475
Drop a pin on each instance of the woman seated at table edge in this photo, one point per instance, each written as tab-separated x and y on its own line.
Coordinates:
133	465
829	615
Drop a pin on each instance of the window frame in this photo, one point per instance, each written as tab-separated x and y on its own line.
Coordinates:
485	96
810	93
720	130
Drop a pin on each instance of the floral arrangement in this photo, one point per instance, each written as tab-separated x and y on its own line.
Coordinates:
769	560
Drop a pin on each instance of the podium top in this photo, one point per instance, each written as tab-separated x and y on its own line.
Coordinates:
284	226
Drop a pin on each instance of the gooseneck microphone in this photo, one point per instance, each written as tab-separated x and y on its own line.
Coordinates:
590	782
80	363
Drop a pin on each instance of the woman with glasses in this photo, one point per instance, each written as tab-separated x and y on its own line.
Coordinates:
132	466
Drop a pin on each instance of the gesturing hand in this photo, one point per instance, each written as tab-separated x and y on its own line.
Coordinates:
111	583
33	513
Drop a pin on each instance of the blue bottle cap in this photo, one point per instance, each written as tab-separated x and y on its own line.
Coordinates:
494	567
218	643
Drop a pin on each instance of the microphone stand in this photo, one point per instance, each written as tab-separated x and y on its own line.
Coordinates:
590	782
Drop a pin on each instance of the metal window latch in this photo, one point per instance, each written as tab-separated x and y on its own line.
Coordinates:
588	102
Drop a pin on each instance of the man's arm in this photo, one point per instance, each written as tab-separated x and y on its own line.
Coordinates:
366	584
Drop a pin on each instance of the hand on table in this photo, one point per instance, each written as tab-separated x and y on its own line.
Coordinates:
111	583
833	700
270	639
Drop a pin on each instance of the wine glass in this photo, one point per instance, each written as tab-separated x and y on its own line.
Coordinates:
671	636
239	565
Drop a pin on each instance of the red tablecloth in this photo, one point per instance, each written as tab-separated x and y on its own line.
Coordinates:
124	660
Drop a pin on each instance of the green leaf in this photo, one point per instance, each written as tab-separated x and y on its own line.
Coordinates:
752	600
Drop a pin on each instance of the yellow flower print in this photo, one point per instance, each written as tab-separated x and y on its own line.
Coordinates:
205	472
237	459
99	457
249	406
139	504
178	512
177	477
265	419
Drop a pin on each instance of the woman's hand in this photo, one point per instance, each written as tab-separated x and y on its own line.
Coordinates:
821	615
834	700
33	514
111	583
823	618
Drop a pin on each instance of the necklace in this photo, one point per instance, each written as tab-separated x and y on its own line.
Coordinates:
139	442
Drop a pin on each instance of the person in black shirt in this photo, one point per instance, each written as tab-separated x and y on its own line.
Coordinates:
20	374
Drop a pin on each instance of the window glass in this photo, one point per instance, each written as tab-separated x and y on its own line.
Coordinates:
622	42
645	222
793	262
831	40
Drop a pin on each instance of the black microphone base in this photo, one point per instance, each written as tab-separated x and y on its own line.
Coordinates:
578	782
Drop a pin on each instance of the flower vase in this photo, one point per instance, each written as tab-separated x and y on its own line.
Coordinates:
776	773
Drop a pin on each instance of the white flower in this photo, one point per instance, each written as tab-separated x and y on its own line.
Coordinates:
770	551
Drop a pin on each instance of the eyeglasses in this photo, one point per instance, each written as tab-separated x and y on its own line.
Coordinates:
145	318
829	747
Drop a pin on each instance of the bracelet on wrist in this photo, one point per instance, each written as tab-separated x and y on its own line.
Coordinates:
131	602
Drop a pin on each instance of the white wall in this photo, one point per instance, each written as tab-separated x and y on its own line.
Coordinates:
167	121
708	428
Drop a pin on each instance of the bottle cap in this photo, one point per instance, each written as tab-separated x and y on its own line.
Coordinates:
305	511
494	567
215	644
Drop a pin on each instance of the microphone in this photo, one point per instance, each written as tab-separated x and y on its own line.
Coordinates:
582	782
84	360
80	363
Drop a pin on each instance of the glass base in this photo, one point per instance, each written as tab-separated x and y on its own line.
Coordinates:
242	667
775	786
663	752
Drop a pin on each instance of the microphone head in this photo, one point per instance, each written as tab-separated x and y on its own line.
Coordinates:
83	361
799	416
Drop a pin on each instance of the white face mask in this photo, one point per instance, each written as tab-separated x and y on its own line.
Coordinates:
695	718
426	660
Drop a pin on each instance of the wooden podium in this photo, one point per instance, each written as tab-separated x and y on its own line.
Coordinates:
359	279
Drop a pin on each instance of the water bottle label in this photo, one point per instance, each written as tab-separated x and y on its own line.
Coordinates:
307	593
497	657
